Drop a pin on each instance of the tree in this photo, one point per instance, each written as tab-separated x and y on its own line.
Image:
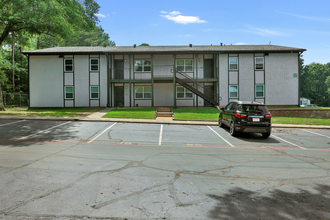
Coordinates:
315	83
95	37
3	80
60	18
54	17
144	44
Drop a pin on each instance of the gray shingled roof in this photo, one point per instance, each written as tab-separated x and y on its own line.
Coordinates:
165	49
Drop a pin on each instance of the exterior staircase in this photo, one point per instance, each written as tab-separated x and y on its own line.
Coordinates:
164	112
197	88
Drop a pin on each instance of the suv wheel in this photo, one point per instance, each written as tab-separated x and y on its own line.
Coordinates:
232	130
266	135
221	125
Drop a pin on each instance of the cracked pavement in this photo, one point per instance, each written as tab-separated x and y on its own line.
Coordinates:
129	172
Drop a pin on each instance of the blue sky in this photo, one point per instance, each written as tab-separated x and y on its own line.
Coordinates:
303	24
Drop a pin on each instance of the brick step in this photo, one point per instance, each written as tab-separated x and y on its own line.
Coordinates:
164	114
164	109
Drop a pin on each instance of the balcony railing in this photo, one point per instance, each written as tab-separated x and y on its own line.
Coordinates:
160	71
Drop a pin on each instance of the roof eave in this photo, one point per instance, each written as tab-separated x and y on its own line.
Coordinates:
162	52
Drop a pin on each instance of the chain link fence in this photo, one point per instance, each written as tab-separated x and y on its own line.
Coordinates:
15	99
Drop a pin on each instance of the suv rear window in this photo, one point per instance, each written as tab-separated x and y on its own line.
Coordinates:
253	108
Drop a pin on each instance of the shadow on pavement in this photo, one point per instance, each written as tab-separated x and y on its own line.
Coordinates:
255	138
13	138
239	203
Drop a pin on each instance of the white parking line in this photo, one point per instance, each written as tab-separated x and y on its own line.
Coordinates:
221	136
42	131
288	142
12	123
160	135
102	132
316	133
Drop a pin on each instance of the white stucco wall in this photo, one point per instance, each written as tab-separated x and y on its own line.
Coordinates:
46	81
246	77
163	64
281	87
163	94
223	78
185	103
81	80
103	81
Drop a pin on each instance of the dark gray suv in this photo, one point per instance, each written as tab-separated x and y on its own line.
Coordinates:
244	116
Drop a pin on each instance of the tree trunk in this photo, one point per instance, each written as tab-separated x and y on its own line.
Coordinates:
2	107
5	33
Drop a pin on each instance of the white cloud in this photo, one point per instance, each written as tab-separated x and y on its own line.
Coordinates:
175	13
264	32
240	43
113	13
180	19
163	12
100	15
187	35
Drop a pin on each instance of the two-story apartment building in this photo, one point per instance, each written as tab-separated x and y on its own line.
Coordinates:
163	75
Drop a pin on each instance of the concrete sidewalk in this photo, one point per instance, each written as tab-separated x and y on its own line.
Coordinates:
97	116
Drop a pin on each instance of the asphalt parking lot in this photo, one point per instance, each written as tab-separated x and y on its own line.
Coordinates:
109	170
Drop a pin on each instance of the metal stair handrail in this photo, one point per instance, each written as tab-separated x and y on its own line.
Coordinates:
215	98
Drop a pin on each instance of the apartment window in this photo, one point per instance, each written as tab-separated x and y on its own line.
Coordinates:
233	63
183	93
68	90
94	64
184	65
68	65
259	91
94	92
233	91
142	65
143	92
259	64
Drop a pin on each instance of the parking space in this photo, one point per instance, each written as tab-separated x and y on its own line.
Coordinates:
100	170
158	135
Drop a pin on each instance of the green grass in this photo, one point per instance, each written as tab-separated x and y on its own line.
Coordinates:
300	120
195	113
292	107
140	113
57	112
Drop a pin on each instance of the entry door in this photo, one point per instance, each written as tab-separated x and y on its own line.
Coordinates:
208	68
119	69
209	94
119	96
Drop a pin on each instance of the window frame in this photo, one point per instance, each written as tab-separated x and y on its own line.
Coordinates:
263	91
255	63
184	65
98	64
236	91
98	92
233	63
184	93
143	62
68	92
65	65
143	92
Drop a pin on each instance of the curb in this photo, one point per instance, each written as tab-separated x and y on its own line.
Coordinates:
147	121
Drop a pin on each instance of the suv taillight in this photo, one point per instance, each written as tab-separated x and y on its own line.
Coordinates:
239	115
269	116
